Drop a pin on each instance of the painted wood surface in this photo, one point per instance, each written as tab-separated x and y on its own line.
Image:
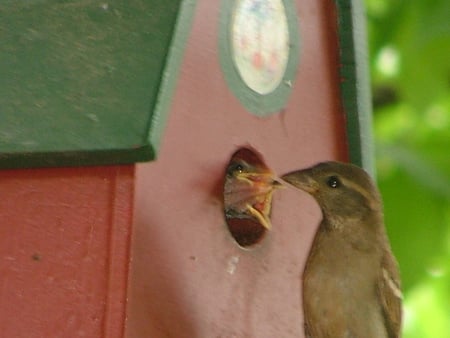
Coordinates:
64	251
80	80
189	278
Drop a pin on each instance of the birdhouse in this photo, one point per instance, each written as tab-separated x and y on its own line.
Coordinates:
218	98
279	83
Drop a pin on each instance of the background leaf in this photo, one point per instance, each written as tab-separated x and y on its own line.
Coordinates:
410	69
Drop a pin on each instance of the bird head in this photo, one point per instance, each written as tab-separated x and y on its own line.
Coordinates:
248	187
343	191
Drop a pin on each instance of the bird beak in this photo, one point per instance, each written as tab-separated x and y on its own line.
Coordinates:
255	194
301	179
248	188
260	181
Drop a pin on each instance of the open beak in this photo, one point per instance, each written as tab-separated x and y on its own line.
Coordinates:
250	193
258	182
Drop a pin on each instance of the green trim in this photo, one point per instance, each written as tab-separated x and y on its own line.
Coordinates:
170	76
355	84
84	86
75	158
260	105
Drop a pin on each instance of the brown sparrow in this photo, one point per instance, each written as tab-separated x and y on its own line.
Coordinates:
351	283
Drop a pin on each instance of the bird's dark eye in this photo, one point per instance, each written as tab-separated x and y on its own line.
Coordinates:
235	169
239	168
333	182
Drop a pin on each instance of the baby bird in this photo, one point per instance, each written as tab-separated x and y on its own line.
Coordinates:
351	283
248	188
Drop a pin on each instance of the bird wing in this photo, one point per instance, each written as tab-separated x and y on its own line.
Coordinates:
390	294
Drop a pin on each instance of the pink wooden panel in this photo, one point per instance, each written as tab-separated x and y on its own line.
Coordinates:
189	278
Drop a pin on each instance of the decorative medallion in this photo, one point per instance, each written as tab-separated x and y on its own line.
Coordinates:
260	43
259	48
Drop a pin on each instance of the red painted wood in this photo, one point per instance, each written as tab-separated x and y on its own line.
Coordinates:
64	251
189	278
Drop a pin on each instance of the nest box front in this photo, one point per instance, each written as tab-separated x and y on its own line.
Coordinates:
210	92
283	81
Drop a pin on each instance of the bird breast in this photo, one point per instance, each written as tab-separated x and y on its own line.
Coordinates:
339	295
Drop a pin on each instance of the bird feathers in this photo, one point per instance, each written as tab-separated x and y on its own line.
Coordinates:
351	284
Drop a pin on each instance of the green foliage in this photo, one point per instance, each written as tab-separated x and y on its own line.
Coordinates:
410	68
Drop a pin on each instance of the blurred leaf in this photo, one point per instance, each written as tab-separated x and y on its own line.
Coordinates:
410	68
415	221
424	42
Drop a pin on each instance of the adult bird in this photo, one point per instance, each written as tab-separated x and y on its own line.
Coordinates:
351	283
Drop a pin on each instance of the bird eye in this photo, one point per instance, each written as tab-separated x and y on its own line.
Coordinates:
333	182
235	169
239	168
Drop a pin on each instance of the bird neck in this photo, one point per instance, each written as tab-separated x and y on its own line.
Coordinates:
363	234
